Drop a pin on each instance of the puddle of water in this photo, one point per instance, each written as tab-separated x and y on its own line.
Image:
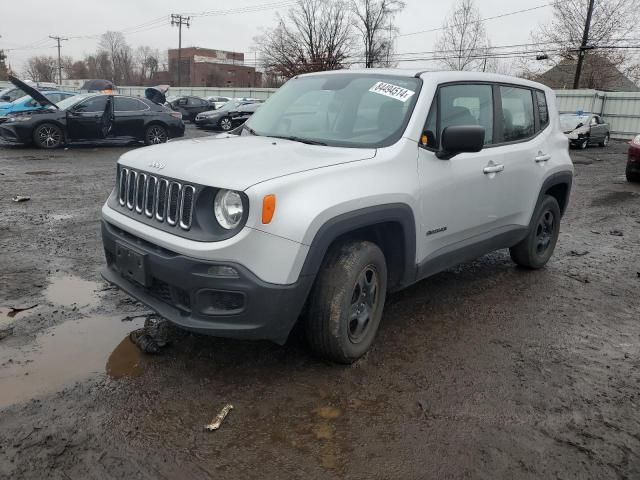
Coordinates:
70	352
69	290
8	315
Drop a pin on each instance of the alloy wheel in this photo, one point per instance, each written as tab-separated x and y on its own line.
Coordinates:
545	231
364	304
157	135
225	124
50	136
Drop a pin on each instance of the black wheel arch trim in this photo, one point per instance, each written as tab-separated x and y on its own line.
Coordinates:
352	221
559	178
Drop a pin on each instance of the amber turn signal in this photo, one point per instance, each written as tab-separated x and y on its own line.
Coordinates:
268	208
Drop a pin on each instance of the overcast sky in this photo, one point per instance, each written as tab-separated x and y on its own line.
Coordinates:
27	24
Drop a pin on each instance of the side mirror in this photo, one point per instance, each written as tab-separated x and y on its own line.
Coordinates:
6	98
460	139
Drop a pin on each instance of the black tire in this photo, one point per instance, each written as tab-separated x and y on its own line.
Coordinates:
155	135
226	124
633	177
536	249
605	141
48	136
583	144
347	301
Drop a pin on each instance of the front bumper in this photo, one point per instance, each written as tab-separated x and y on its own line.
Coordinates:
12	134
207	121
182	290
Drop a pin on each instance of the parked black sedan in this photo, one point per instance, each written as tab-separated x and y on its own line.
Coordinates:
232	114
190	106
92	117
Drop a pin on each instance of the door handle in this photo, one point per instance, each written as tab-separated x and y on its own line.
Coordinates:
493	169
543	157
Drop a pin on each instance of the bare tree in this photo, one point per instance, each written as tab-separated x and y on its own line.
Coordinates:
463	42
78	70
120	54
373	19
315	35
148	61
611	22
41	68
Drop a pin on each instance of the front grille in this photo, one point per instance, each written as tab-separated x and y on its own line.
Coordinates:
156	197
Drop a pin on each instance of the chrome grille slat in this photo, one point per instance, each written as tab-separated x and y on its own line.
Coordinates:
186	207
173	203
139	193
150	195
122	186
161	199
156	198
131	188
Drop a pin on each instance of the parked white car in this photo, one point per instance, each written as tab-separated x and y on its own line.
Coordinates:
343	187
218	102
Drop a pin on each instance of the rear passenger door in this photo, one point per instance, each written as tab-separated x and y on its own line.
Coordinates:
522	146
129	117
458	199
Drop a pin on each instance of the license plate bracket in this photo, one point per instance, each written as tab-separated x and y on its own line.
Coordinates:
132	264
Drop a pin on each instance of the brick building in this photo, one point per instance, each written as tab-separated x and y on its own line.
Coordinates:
204	67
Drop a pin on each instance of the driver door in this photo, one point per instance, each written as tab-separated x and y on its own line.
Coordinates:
91	119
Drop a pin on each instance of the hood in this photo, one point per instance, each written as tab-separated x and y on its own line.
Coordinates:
240	162
157	94
32	92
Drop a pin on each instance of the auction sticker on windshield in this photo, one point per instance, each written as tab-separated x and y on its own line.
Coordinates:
392	91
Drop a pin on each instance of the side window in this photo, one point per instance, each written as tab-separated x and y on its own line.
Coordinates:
54	97
126	104
95	104
467	105
517	112
543	110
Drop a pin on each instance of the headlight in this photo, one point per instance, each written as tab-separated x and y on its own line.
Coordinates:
228	209
637	140
20	118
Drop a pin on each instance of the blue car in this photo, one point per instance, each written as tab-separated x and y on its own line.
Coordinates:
27	104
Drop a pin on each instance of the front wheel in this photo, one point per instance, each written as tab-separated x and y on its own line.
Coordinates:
538	246
155	134
605	141
346	304
583	144
633	177
48	136
225	124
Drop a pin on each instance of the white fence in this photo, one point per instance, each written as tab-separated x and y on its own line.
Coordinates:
621	110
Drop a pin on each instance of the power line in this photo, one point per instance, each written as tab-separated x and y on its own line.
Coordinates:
482	19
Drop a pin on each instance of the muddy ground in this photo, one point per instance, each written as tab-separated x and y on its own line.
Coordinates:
485	371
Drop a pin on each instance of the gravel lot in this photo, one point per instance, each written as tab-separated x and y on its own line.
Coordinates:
484	371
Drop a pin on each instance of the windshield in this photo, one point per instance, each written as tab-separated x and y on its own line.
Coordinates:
71	101
571	121
346	109
229	106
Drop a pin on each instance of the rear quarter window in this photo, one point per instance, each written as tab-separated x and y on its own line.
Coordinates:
543	109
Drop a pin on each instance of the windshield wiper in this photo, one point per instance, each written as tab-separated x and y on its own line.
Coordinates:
250	130
308	141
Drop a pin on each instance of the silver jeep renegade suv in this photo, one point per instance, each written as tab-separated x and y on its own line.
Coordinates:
343	187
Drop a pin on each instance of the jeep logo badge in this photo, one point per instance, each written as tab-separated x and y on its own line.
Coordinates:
158	165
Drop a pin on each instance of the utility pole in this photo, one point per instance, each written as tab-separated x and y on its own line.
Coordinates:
583	47
59	39
178	20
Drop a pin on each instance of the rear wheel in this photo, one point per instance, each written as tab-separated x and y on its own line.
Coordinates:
346	304
225	124
155	134
48	136
605	141
538	246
